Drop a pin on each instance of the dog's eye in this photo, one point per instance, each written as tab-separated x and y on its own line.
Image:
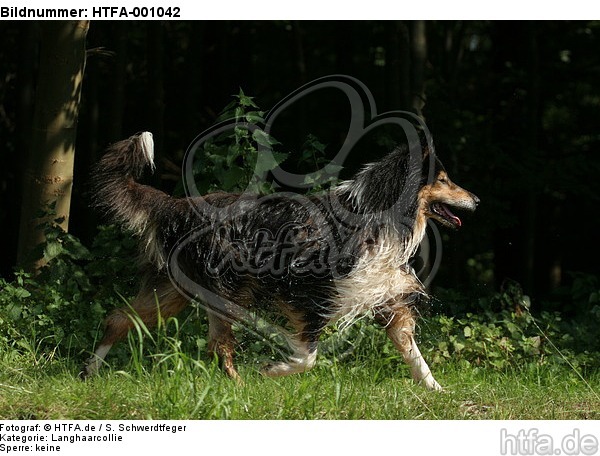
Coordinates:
443	180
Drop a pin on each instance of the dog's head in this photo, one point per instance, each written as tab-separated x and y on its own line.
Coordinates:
438	194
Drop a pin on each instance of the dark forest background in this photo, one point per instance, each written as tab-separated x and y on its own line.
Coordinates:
514	109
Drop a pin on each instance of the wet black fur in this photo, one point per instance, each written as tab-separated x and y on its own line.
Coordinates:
327	233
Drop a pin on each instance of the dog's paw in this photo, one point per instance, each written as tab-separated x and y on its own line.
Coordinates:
431	384
277	369
84	373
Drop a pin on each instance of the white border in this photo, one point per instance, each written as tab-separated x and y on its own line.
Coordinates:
248	438
348	9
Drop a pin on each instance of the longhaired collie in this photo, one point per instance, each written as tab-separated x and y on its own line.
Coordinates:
312	259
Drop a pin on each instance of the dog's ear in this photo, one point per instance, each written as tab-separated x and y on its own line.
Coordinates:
429	153
431	165
427	146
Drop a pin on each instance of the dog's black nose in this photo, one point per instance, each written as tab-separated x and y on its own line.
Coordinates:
477	200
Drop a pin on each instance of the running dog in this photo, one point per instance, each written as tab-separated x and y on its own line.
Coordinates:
312	259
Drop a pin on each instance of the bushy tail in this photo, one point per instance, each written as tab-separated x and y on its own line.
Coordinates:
118	194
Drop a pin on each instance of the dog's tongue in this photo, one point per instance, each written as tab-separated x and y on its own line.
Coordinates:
450	215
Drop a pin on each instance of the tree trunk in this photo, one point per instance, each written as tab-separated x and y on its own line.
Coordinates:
48	177
26	70
398	66
118	80
533	111
299	51
418	45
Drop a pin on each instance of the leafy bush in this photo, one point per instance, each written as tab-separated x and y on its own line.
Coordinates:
497	340
61	307
584	298
505	334
230	161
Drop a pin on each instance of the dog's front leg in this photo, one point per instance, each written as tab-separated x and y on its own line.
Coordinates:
399	324
418	366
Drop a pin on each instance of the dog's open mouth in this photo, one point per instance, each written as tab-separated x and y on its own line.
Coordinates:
445	215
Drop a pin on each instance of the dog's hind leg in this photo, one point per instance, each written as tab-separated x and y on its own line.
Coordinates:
221	343
399	323
301	360
303	344
148	305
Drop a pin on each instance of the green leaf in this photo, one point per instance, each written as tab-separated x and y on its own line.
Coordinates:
14	311
280	157
467	331
75	248
268	162
263	138
233	153
232	178
333	169
458	346
52	250
245	100
308	180
239	113
21	293
227	112
317	145
255	117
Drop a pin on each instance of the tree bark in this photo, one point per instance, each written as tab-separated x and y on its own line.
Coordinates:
299	51
418	45
48	177
398	66
118	76
533	111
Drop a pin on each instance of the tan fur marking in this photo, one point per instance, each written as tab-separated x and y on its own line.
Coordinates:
445	192
144	307
399	322
221	343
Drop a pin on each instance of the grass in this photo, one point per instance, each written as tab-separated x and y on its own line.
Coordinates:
174	385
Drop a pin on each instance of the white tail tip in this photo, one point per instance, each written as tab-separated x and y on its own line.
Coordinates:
147	144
